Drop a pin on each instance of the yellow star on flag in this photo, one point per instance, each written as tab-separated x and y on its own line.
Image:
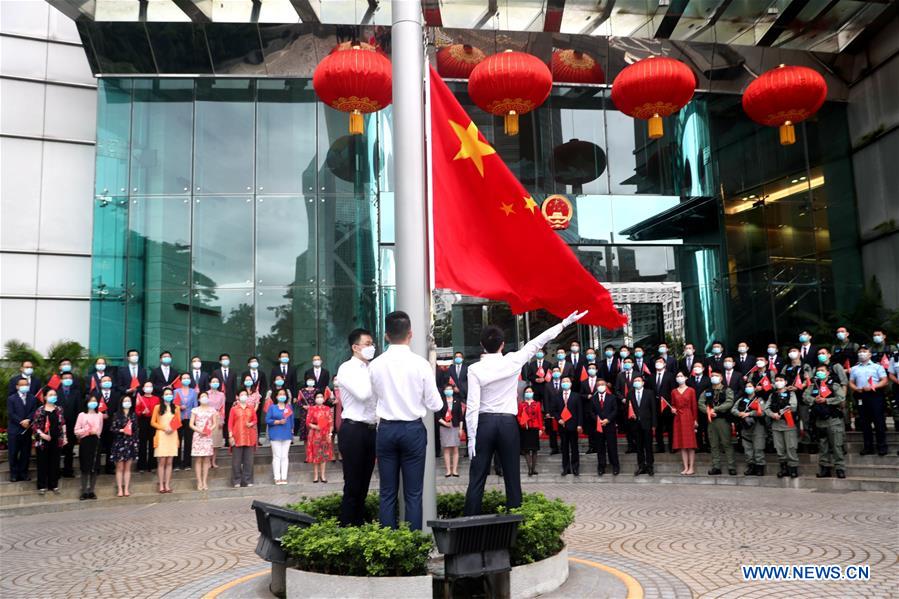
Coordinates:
507	208
530	204
471	147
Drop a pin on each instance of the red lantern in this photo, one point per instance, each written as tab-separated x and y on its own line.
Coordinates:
653	88
574	66
510	84
355	79
457	61
784	96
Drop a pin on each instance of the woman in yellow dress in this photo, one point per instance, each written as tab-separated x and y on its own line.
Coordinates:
166	419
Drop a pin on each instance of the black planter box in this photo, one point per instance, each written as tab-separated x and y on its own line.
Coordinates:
476	545
272	522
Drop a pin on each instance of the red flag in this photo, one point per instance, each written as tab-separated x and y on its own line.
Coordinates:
452	382
287	411
708	412
884	361
798	382
327	393
765	383
47	425
135	383
448	417
566	414
127	429
630	411
583	375
177	383
846	365
541	373
207	430
871	382
824	391
485	221
665	404
599	425
788	418
93	384
54	382
101	408
756	405
176	422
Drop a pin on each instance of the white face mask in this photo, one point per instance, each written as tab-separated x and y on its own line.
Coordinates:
310	383
368	352
660	366
697	370
728	365
779	384
197	365
681	380
316	363
793	355
716	380
319	401
760	363
601	388
688	352
126	404
204	401
243	400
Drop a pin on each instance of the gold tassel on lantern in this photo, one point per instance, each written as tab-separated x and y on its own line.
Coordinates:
787	134
356	123
510	123
656	127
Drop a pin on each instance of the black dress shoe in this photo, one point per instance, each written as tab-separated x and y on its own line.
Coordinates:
83	497
750	470
639	471
590	450
714	472
823	472
616	471
660	449
866	452
630	450
794	471
554	452
576	472
841	473
600	471
732	471
881	453
566	472
650	471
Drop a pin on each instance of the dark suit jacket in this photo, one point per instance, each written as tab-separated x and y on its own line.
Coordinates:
549	396
715	362
460	379
668	383
578	367
778	363
229	385
744	365
112	404
811	358
158	379
71	403
529	374
585	389
608	372
647	411
670	362
261	382
14	381
574	406
200	384
323	380
290	381
568	371
699	388
122	380
17	411
642	366
621	382
682	366
736	381
608	411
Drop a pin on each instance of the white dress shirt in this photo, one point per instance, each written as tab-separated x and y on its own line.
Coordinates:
493	382
403	385
355	392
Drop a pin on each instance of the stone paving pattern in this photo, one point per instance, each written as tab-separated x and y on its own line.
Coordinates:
677	541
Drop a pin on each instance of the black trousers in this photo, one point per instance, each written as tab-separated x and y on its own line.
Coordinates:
643	440
145	458
68	452
357	442
497	433
551	433
185	444
571	457
228	405
702	429
873	417
48	466
606	442
625	425
19	453
665	425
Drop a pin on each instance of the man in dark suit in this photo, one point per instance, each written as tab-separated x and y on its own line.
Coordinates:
642	402
670	360
775	362
733	378
686	364
641	365
163	375
284	369
26	372
807	352
259	382
566	409
457	375
662	383
318	373
623	384
715	361
578	363
20	408
551	391
608	365
698	379
199	380
108	398
586	390
744	361
228	379
563	364
71	399
130	376
603	407
535	373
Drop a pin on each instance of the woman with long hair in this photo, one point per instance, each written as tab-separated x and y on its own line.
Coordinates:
124	444
203	421
166	419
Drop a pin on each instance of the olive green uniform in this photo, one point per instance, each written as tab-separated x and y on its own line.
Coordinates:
721	401
752	428
786	438
828	417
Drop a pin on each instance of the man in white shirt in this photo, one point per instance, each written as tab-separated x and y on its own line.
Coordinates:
404	388
358	431
492	410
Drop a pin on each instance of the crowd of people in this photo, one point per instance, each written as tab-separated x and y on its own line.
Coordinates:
162	419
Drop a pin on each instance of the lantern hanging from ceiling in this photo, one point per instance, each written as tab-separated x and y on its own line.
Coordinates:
458	60
785	96
574	66
653	88
355	79
510	84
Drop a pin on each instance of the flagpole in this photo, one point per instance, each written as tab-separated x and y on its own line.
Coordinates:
413	290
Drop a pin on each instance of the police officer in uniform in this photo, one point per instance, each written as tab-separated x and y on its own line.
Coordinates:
749	410
881	353
717	403
826	396
868	381
781	409
798	368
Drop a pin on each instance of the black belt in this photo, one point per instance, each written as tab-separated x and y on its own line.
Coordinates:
497	414
350	421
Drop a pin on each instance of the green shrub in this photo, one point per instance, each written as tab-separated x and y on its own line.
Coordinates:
367	550
540	534
328	506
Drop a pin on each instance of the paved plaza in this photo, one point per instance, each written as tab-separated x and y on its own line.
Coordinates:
675	540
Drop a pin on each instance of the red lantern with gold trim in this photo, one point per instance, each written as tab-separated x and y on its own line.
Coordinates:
510	84
784	96
355	79
458	61
574	66
653	88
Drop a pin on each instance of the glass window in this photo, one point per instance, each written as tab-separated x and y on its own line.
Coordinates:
340	310
285	144
179	48
159	243
113	136
161	319
347	241
223	152
223	250
162	121
108	251
347	163
222	321
107	318
285	241
286	318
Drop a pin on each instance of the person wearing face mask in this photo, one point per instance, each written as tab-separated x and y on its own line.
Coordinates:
551	390
715	360
278	383
456	374
130	375
601	422
166	419
108	398
217	402
144	405
88	428
662	383
318	373
96	373
125	431
684	407
537	373
242	428
563	363
258	381
826	398
808	353
279	418
165	374
868	381
199	380
228	385
699	381
718	403
642	415
586	389
186	399
774	363
733	378
577	361
845	351
203	423
623	385
641	365
70	400
743	361
566	410
20	407
449	421
781	409
797	373
663	353
288	372
687	362
319	447
749	411
608	364
65	367
530	423
49	426
26	373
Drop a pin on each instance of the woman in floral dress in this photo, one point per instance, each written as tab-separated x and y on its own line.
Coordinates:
124	444
203	421
319	447
305	400
217	402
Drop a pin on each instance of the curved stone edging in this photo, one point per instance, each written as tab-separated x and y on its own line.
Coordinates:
531	580
312	585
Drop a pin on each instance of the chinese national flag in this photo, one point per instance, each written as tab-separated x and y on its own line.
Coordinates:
486	222
135	383
599	425
756	405
176	422
327	393
630	411
798	382
127	430
765	383
566	414
884	361
665	405
788	418
583	375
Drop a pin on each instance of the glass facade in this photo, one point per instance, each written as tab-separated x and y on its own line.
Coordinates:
237	215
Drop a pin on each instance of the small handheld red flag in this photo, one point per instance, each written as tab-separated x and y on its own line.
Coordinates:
207	430
127	428
599	425
522	418
448	417
93	384
824	391
630	411
327	393
756	405
765	383
135	383
884	361
665	404
287	411
583	375
54	382
47	425
798	382
788	418
102	406
846	366
708	412
175	423
566	414
541	373
452	382
871	382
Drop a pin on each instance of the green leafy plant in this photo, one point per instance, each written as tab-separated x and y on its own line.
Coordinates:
328	506
367	550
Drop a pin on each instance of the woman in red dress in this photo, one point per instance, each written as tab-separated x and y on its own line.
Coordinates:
530	421
684	408
319	447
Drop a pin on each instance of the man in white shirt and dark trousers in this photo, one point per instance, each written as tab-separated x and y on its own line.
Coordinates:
358	430
404	388
491	418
